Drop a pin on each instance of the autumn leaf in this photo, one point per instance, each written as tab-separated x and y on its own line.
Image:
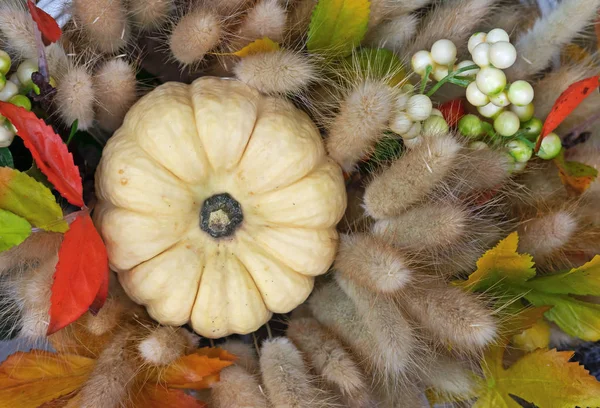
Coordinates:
24	196
50	30
13	230
48	150
584	280
577	177
196	371
453	111
156	396
257	47
28	380
565	104
80	276
338	26
535	337
545	378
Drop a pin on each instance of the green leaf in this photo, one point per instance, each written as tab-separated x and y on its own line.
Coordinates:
376	63
575	317
73	131
338	26
24	196
584	280
13	230
6	159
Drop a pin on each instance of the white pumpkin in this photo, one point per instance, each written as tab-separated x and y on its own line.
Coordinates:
218	205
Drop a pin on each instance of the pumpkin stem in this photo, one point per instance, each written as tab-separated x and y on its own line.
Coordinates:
221	215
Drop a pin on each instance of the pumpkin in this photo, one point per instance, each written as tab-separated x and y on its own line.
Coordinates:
218	205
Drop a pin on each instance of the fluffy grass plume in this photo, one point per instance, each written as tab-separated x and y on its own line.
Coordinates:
266	19
150	14
163	345
371	263
75	98
328	357
115	92
104	23
237	388
394	34
17	30
277	72
363	117
298	19
195	34
106	319
550	33
287	380
411	177
245	354
382	10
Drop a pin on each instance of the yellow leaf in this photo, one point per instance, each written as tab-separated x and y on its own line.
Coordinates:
501	264
584	280
536	337
545	378
28	380
257	47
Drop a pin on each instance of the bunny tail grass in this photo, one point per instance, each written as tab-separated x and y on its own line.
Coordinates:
245	353
237	388
194	35
163	345
115	92
17	30
104	23
75	97
150	14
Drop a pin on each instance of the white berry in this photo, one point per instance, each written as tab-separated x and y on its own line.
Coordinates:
519	151
401	123
401	101
503	54
443	52
490	110
413	132
419	107
440	72
9	90
6	136
481	55
435	124
420	61
524	113
507	124
464	64
436	112
475	96
520	93
25	70
475	40
491	81
497	35
500	100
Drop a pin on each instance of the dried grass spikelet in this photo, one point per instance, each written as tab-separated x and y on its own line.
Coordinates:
363	116
411	177
195	34
17	30
115	92
454	20
514	18
394	34
371	263
38	246
277	72
237	388
267	18
58	61
106	319
287	380
110	380
393	337
328	358
432	225
75	97
104	23
163	345
549	34
245	354
150	14
382	10
452	316
450	377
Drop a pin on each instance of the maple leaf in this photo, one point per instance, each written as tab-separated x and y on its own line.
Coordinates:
48	150
30	379
502	271
50	30
80	279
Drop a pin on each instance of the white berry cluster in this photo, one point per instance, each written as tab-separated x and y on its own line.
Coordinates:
441	58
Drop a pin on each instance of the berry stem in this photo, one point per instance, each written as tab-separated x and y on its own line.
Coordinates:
425	78
451	76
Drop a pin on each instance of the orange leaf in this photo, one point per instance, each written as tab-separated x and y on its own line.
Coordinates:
566	103
28	380
81	273
155	396
196	371
48	150
50	30
576	176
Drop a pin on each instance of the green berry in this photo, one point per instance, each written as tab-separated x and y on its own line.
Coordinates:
550	147
507	124
435	124
5	62
2	81
470	126
519	151
533	128
22	101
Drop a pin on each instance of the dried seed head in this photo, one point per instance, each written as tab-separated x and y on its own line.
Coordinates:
150	14
245	354
266	19
237	388
195	34
115	92
17	30
104	23
467	177
75	97
35	294
393	34
277	72
107	318
540	237
163	345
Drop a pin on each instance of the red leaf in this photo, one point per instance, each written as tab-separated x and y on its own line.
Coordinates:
566	103
452	111
48	150
50	30
100	296
80	274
